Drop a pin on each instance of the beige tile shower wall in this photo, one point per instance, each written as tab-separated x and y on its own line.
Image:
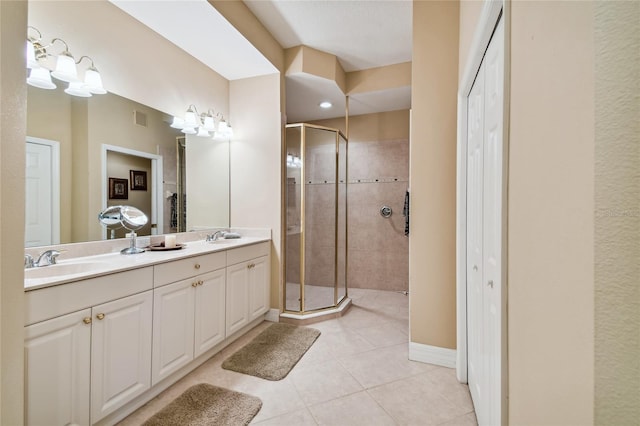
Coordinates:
378	251
378	248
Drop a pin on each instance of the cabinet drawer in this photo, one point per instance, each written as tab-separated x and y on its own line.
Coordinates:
178	270
242	254
54	301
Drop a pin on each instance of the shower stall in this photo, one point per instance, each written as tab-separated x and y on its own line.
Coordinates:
316	218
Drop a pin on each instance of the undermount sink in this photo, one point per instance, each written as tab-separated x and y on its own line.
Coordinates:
63	269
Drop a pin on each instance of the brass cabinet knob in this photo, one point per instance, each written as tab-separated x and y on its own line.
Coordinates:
194	284
251	265
86	320
197	266
200	282
100	316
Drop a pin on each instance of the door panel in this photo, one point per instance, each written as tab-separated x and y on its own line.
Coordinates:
210	311
484	234
120	353
57	356
38	195
475	114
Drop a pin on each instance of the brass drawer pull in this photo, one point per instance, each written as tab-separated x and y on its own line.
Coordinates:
251	265
194	284
197	266
86	320
200	282
100	316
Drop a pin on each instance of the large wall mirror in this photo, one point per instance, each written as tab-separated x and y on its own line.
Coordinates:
84	154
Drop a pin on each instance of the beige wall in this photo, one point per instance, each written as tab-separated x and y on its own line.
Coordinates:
379	78
239	15
469	14
432	175
256	163
120	47
207	167
13	92
118	166
617	209
49	117
550	219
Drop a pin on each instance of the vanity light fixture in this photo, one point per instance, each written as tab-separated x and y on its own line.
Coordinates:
325	104
65	68
203	124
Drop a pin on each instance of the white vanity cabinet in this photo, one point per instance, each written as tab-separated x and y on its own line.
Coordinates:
120	352
83	365
189	315
57	355
248	277
100	347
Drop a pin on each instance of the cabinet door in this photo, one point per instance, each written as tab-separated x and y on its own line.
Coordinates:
120	352
57	355
209	311
172	328
259	278
237	295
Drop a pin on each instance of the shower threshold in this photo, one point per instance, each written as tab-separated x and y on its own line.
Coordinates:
316	316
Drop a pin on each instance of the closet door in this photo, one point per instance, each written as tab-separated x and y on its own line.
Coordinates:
492	226
484	234
475	291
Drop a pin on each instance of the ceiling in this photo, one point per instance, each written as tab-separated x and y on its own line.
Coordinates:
362	34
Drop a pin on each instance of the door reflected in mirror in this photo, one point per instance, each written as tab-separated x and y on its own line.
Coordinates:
72	191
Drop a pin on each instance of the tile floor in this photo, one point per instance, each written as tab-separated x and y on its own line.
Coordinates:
356	373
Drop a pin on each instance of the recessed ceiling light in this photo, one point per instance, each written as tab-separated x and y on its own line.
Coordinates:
325	104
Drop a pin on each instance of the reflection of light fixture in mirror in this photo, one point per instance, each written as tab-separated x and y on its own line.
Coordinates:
127	217
325	104
92	78
203	124
294	161
76	88
65	69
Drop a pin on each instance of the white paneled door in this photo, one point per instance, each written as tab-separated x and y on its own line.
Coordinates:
41	193
484	234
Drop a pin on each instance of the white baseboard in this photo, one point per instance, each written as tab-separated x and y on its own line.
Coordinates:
272	315
432	355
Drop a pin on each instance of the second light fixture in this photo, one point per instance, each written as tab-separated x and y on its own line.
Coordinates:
203	125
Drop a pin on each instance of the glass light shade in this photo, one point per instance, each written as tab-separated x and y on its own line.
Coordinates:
202	132
40	77
93	82
65	68
190	119
209	124
178	123
32	62
222	127
189	130
229	132
76	88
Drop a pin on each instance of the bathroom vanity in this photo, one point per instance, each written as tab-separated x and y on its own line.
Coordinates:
101	340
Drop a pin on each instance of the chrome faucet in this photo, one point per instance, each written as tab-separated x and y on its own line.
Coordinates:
45	259
215	236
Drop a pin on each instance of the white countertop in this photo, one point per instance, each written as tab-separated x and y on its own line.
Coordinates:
110	263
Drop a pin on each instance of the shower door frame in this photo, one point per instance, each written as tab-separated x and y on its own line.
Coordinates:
336	302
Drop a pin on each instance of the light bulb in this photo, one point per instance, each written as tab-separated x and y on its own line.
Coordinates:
93	81
77	88
178	123
40	77
65	68
32	62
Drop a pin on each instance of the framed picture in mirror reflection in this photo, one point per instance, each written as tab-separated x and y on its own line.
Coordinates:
138	180
118	189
